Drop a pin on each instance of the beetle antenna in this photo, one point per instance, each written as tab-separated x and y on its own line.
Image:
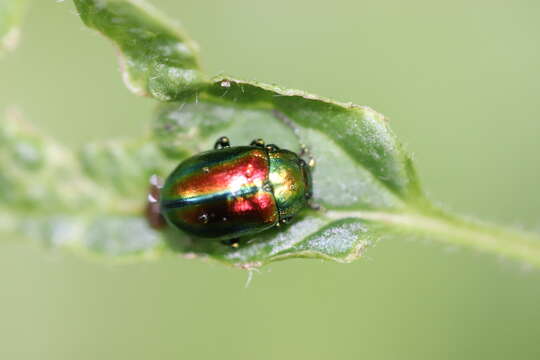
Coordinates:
304	150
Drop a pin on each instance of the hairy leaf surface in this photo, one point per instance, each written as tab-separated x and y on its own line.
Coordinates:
91	202
360	166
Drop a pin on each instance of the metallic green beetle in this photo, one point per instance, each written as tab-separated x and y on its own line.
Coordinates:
231	192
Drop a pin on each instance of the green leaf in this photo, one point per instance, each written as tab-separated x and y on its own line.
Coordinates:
360	165
156	58
364	181
11	12
91	202
94	202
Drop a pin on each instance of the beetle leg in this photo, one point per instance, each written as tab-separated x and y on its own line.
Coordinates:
156	181
316	207
222	142
234	243
258	142
285	220
272	147
153	212
304	152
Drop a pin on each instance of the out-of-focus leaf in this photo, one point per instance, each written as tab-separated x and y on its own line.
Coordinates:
11	12
91	202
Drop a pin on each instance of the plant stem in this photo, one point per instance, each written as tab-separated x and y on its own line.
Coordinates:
439	226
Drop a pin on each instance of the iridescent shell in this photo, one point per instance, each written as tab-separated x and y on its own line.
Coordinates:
235	191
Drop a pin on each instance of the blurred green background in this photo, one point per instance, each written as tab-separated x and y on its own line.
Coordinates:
460	82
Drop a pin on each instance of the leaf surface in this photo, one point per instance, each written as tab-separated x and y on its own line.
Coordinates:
360	166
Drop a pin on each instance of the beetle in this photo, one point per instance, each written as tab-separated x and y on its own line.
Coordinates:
234	191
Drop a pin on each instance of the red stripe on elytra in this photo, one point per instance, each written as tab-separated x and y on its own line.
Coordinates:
241	172
260	203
